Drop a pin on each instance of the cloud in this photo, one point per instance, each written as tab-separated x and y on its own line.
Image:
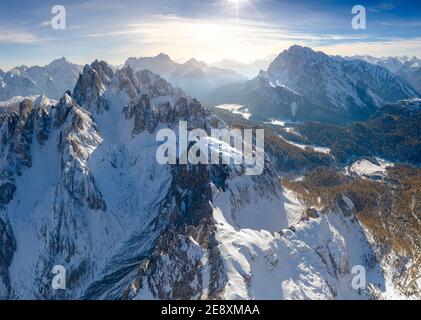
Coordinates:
19	37
171	27
111	31
213	39
45	23
384	6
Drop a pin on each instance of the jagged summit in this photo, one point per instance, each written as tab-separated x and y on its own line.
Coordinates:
163	56
91	86
59	62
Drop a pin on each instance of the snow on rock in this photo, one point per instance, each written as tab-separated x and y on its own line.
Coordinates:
369	169
312	262
325	150
236	109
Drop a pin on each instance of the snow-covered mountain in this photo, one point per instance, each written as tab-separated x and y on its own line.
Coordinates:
266	100
351	86
81	187
195	77
50	80
335	89
405	67
394	64
412	74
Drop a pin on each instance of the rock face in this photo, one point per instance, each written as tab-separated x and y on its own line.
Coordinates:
7	191
83	189
8	247
90	86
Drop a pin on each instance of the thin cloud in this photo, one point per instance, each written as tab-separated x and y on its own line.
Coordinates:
215	39
45	23
384	6
19	37
177	28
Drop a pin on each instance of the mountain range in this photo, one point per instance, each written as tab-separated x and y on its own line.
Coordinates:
125	226
195	77
301	84
80	185
405	67
51	80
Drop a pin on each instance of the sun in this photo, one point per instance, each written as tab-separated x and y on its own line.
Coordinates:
236	3
239	3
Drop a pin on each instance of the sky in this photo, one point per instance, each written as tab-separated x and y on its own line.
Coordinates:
209	30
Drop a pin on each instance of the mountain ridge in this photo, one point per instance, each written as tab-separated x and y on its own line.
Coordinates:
52	79
405	67
195	77
347	89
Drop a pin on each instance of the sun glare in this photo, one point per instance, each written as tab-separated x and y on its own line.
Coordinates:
239	3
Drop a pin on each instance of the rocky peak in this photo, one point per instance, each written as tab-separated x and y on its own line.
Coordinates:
156	86
62	109
195	63
21	128
103	69
354	86
304	52
297	55
164	58
25	108
19	70
128	82
91	85
59	62
153	100
190	66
